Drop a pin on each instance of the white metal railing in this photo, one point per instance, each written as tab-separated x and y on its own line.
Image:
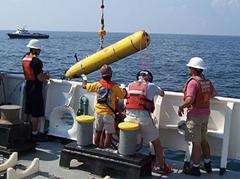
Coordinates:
224	123
224	111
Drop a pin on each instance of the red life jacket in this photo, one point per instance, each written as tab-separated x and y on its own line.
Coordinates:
27	70
202	98
137	99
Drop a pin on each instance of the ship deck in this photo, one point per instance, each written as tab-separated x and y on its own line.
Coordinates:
49	155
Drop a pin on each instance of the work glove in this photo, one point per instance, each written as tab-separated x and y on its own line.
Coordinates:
122	86
84	77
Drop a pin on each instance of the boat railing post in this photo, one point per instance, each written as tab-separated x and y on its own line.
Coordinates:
21	102
157	111
226	135
70	93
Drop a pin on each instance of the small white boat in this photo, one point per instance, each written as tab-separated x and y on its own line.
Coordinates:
61	105
22	33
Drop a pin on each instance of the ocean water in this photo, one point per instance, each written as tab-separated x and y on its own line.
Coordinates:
166	57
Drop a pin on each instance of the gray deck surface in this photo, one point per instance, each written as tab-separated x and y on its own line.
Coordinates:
49	155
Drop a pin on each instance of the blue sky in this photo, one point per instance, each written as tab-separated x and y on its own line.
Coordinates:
214	17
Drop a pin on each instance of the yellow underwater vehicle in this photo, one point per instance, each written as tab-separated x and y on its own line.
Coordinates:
121	49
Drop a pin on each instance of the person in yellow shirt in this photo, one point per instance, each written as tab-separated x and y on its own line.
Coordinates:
108	94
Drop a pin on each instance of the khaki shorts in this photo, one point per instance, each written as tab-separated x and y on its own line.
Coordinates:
147	129
105	122
197	128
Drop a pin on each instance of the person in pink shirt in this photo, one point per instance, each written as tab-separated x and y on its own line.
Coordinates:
197	94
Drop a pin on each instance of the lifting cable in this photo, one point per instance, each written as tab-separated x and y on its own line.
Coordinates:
102	31
147	55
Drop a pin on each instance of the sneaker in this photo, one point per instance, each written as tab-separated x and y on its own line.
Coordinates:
158	169
195	171
162	170
208	167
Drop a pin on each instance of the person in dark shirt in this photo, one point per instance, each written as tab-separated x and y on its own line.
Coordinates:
34	76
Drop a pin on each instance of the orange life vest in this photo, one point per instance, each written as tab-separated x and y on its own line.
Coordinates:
202	98
27	70
137	99
106	84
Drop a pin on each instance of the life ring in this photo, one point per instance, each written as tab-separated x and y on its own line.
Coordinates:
62	123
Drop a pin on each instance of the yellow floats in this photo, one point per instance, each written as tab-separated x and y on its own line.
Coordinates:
121	49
